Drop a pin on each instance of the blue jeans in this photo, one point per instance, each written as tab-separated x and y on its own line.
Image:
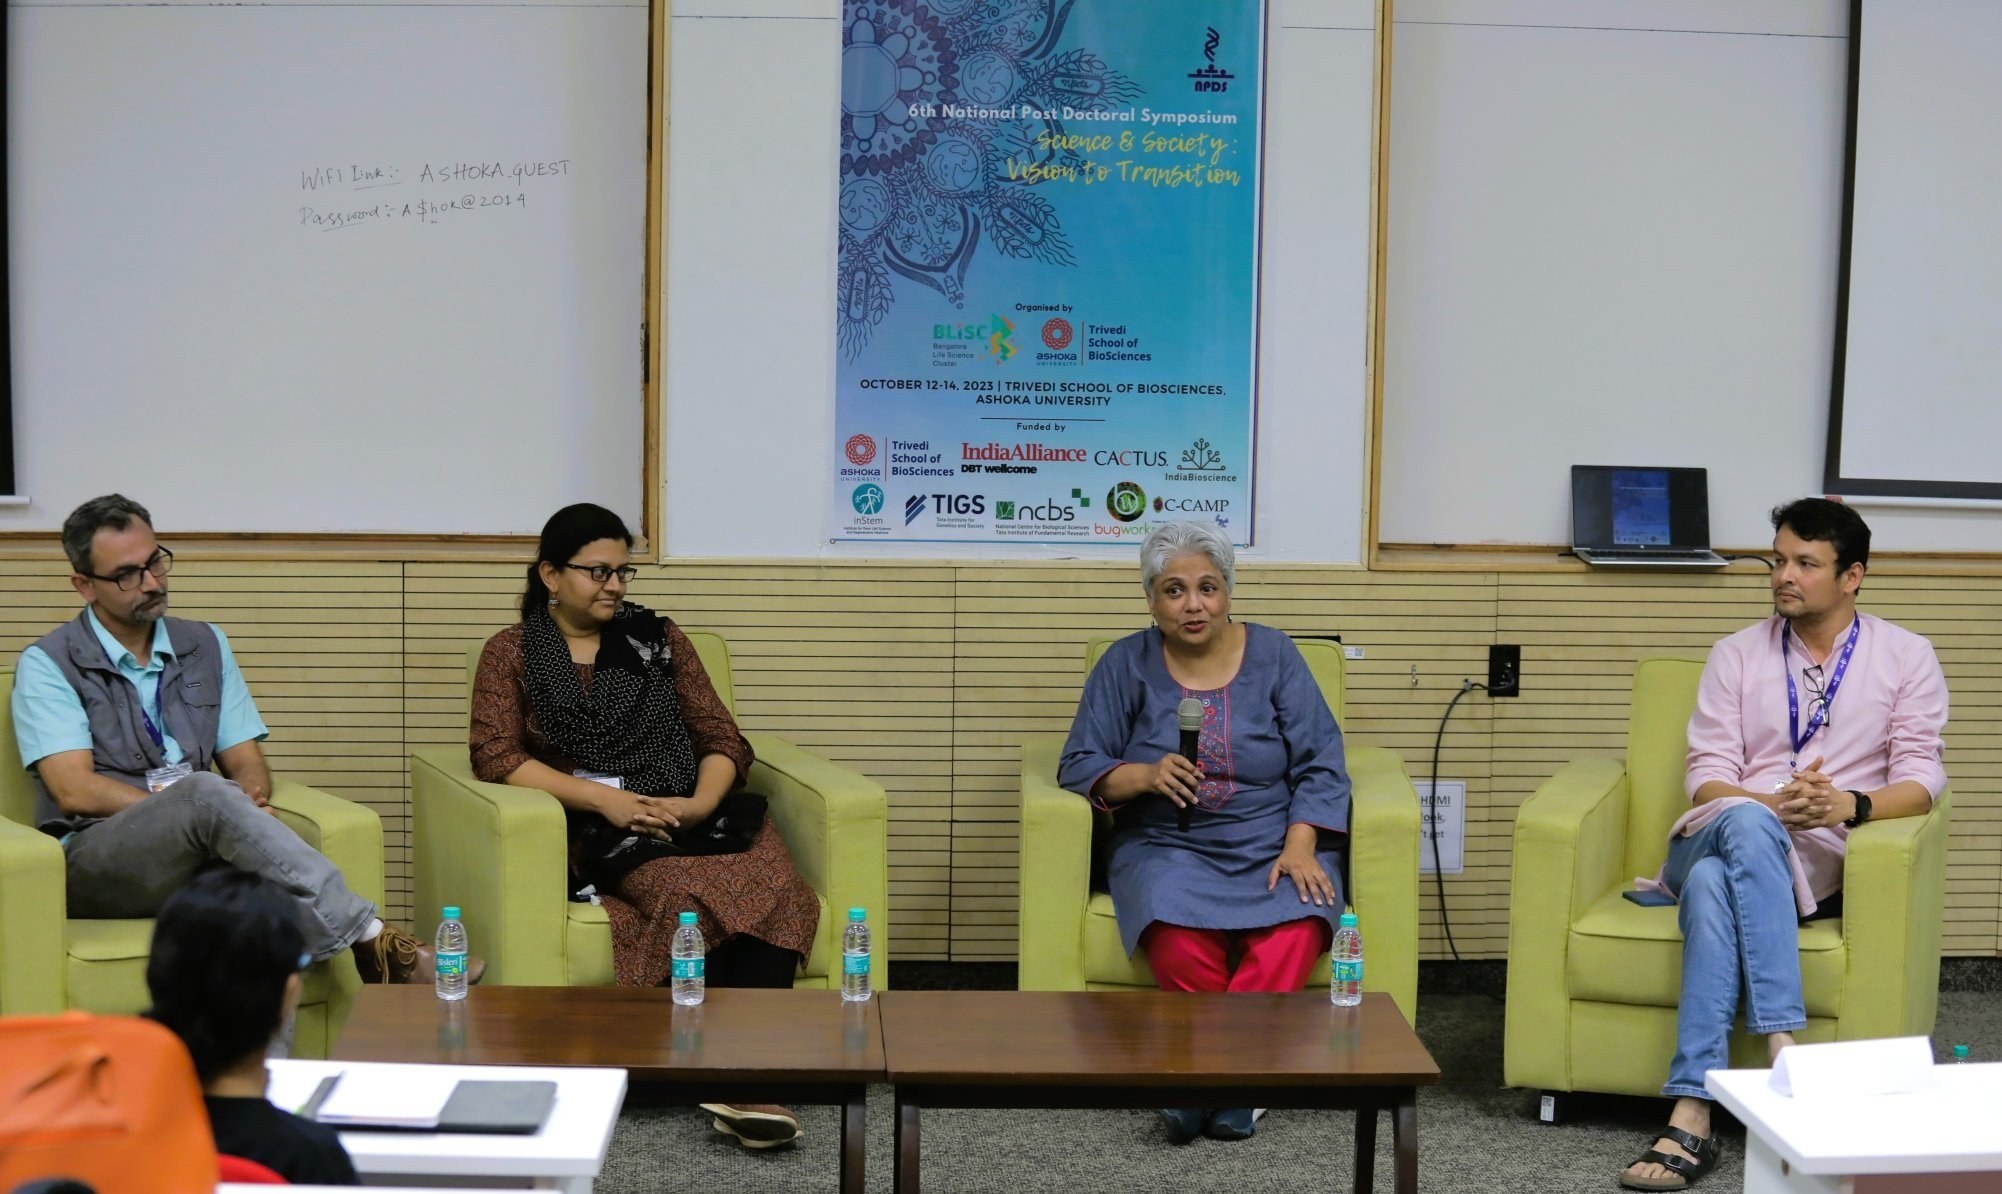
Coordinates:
1740	932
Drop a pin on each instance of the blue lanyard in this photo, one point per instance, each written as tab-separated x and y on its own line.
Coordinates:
1819	718
152	730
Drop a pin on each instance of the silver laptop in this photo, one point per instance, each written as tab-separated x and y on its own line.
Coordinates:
1641	517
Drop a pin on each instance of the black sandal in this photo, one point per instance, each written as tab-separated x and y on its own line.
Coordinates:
1683	1172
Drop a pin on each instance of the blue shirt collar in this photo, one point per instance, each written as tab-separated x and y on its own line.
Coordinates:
163	647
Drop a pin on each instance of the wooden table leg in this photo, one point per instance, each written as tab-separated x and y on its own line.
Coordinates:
1404	1135
905	1135
1365	1150
854	1142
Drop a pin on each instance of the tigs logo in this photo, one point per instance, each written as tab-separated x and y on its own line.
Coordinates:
913	506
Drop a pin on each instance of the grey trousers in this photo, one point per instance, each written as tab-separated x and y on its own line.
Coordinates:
128	864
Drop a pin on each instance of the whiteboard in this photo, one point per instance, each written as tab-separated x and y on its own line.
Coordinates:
328	268
1919	410
748	396
1613	239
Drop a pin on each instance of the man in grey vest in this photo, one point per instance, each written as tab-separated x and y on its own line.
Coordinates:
124	717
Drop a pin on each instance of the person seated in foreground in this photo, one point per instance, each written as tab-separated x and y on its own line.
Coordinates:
1780	771
605	705
1246	898
225	976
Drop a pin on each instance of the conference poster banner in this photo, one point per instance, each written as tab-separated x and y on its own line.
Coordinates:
1047	288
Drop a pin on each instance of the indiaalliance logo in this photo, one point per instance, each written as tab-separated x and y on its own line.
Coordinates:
867	499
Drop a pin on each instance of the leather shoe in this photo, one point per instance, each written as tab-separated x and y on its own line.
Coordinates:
755	1125
394	956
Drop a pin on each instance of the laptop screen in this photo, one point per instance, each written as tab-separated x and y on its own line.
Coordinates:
1638	508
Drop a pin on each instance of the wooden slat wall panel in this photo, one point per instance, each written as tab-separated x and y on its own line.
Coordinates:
929	676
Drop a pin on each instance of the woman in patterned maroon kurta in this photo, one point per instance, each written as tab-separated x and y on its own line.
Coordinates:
758	917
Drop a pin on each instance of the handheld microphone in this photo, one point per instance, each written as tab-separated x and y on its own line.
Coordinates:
1189	716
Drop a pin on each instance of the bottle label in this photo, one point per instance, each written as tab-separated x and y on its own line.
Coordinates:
687	968
1348	972
854	963
451	965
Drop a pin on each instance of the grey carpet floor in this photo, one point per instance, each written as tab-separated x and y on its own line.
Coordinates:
1474	1135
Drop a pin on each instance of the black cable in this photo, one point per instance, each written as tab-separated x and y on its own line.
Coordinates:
1438	872
1761	559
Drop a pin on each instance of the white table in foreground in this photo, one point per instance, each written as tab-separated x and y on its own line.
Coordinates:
565	1155
1946	1139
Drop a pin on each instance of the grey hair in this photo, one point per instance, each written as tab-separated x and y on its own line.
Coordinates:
113	510
1173	539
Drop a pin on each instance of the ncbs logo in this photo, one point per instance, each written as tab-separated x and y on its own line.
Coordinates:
867	499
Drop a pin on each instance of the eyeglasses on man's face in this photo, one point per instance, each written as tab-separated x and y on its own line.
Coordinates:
160	563
601	573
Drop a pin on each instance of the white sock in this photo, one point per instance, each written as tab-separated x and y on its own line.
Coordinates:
373	930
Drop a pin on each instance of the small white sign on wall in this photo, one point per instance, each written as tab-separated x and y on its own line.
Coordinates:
1448	809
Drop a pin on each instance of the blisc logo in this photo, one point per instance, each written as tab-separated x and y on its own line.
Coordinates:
1126	501
861	449
1001	339
1057	333
867	499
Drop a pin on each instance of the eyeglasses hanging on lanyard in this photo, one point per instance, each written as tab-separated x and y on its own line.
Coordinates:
1817	716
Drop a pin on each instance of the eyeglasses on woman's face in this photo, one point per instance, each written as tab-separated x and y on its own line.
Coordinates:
603	573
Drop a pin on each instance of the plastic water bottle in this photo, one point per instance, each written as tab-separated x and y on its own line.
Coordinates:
855	957
1960	1055
450	947
1345	977
687	962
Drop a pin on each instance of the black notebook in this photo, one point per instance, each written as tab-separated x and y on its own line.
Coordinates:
473	1106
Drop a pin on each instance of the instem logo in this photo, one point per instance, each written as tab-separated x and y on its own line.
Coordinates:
861	449
914	505
1211	78
1001	339
867	499
1126	501
1057	333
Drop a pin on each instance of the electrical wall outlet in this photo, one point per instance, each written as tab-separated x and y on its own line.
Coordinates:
1504	671
1351	652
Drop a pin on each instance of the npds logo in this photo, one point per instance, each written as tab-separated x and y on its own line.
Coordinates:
867	499
1211	78
861	449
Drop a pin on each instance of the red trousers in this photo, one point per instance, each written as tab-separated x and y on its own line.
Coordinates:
1274	959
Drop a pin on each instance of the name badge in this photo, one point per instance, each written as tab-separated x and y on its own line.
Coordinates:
159	779
610	781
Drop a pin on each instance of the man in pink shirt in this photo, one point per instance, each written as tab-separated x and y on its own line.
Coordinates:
1807	724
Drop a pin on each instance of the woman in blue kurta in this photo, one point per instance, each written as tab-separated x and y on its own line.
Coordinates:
1268	797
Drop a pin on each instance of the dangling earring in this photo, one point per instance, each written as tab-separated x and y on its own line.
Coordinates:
552	601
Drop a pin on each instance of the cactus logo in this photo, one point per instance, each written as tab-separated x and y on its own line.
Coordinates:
1001	339
1126	501
867	499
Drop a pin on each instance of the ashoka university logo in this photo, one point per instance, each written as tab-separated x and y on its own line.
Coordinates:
861	449
1057	334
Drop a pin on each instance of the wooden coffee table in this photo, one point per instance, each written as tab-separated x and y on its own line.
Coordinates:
1148	1049
739	1046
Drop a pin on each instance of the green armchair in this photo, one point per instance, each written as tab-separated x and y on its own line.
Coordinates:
49	963
1070	940
1594	979
500	854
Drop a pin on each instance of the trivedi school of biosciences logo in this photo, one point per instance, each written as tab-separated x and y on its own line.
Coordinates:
867	499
